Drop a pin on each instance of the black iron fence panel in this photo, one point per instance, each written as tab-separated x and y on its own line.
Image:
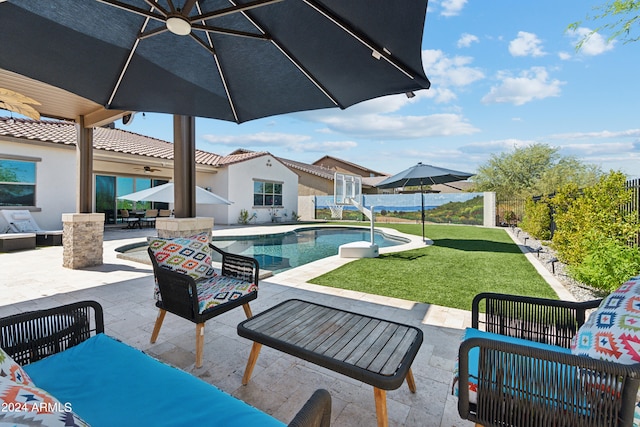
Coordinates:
633	207
511	211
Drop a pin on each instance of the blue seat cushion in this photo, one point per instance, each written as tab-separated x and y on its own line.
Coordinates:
109	383
474	355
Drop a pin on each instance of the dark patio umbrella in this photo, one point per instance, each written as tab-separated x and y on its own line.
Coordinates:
231	60
421	175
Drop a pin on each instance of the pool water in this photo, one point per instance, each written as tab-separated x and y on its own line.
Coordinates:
280	252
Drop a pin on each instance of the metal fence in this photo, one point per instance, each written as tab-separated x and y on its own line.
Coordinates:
511	211
634	205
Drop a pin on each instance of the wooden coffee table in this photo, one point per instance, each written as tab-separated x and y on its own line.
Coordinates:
375	351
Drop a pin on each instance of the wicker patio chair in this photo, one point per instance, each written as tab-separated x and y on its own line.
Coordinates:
31	336
179	294
149	218
538	382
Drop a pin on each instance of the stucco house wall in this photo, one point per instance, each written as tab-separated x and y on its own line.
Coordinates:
55	179
239	181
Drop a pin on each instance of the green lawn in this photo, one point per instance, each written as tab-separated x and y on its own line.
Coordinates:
463	261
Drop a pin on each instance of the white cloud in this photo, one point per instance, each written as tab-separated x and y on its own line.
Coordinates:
286	141
323	146
529	85
633	133
526	44
599	149
393	127
466	40
495	146
261	139
564	56
452	7
594	44
446	72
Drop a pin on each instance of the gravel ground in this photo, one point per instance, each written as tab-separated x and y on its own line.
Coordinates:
546	255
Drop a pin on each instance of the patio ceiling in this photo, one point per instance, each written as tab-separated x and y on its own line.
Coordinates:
58	103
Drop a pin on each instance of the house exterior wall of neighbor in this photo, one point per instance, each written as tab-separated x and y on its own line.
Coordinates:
55	179
239	180
342	166
313	185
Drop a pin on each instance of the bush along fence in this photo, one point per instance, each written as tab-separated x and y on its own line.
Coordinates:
594	230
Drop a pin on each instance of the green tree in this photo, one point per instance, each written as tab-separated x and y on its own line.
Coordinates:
532	170
619	16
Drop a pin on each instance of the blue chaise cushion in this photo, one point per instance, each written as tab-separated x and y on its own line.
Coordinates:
109	383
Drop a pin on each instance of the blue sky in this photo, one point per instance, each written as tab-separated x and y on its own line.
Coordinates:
504	74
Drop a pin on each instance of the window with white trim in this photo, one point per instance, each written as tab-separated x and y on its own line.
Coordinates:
267	193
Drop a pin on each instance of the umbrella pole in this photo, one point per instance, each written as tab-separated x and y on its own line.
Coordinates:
422	208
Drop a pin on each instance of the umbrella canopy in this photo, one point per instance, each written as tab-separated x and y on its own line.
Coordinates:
164	193
422	174
234	61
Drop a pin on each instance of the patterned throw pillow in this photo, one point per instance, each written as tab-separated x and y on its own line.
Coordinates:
612	332
186	255
11	370
28	405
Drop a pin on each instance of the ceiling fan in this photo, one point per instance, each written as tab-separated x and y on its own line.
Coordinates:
148	169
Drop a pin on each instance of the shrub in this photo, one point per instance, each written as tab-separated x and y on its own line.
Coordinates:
537	219
243	218
608	264
594	235
595	211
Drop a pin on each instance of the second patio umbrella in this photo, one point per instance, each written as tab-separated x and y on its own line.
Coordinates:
164	193
421	175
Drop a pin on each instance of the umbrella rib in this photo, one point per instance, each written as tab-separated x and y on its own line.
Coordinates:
234	9
126	64
154	32
188	6
307	74
134	9
154	4
218	66
293	60
376	51
227	31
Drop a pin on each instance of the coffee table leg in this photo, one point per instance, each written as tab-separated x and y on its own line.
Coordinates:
411	382
253	358
381	406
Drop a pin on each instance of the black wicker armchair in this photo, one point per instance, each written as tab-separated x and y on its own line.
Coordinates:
179	294
534	385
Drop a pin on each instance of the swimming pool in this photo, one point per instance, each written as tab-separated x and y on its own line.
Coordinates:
282	251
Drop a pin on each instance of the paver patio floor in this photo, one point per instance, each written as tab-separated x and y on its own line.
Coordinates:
280	383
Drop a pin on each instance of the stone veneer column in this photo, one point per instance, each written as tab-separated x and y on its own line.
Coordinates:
82	238
183	227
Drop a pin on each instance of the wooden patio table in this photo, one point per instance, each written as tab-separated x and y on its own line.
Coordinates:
375	351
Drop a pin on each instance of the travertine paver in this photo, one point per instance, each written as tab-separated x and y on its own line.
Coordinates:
280	383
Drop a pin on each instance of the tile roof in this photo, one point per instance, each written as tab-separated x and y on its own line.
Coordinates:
355	165
320	171
115	140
